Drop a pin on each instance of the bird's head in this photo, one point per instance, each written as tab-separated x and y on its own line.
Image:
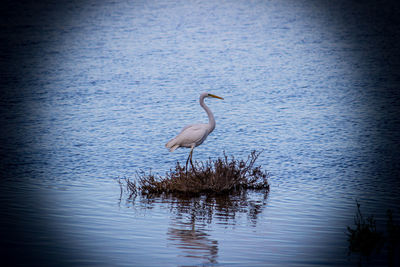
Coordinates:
211	95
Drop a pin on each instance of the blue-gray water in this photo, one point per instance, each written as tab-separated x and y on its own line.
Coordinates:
94	89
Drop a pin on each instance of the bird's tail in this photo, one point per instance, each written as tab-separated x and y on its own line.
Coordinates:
171	145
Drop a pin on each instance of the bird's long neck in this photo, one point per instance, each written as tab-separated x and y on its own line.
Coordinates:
211	120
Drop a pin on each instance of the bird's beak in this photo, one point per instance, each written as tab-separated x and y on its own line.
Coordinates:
216	96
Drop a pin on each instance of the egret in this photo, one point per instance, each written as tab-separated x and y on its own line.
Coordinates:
194	135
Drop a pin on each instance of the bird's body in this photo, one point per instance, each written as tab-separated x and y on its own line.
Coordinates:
194	135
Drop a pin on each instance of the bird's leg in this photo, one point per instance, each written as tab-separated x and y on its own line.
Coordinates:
187	161
191	162
190	156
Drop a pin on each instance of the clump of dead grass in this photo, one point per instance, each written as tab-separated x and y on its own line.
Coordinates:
219	176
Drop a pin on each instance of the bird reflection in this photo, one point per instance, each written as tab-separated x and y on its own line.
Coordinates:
193	240
188	229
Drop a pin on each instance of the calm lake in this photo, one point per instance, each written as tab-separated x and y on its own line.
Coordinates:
99	87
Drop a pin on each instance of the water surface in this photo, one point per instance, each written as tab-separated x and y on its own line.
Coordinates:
106	84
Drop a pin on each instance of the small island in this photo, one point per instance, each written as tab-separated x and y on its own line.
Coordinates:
213	177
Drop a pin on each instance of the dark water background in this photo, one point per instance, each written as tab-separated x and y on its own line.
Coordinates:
92	90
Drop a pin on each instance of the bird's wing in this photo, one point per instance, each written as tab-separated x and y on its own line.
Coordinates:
191	135
172	142
187	126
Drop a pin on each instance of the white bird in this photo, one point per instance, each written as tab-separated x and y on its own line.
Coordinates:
194	135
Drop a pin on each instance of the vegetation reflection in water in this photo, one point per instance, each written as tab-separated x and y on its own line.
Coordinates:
188	229
236	188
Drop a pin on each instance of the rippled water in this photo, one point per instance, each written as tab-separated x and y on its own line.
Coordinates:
101	87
